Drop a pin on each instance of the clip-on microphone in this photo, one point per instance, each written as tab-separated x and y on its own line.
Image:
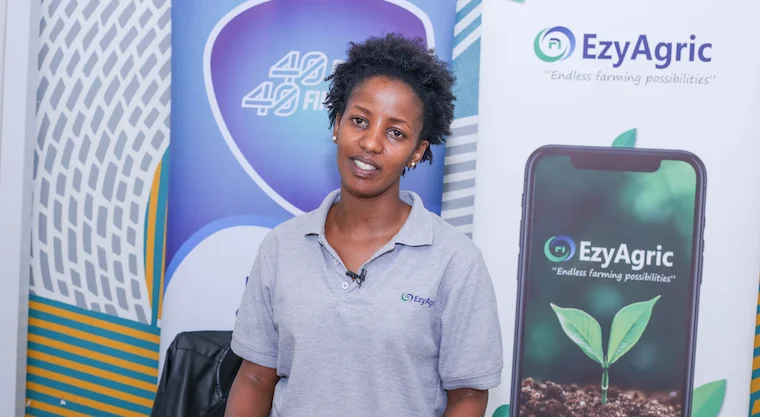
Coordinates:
358	278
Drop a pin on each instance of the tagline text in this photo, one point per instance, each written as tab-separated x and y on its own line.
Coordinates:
681	78
616	276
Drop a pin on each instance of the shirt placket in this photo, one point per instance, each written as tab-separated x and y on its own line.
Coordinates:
335	264
347	285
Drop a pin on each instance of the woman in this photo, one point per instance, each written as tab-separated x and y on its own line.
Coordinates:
371	305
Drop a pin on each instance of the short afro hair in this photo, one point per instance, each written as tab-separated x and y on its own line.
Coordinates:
406	60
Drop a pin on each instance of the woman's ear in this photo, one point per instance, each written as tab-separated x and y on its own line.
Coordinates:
335	128
337	123
420	151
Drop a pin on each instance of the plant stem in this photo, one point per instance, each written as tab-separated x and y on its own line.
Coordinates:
605	384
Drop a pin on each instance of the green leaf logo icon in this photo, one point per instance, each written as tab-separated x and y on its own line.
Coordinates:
626	139
582	329
627	327
708	399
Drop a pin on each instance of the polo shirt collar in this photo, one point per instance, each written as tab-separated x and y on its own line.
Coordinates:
416	231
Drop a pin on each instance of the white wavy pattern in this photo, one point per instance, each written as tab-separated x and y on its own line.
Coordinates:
461	148
103	126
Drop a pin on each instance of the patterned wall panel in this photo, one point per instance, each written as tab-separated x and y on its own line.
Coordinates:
103	105
459	171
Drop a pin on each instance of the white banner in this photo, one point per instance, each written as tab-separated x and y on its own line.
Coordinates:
673	75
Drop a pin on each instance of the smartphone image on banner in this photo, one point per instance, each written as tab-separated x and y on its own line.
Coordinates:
608	282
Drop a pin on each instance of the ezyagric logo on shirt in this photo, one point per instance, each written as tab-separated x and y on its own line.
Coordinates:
411	298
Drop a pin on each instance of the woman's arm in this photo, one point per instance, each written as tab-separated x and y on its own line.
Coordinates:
470	360
466	403
252	391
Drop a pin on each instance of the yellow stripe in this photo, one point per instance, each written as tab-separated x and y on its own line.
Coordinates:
145	353
150	240
76	350
116	328
82	401
754	385
756	407
163	264
60	411
111	376
756	363
757	341
757	320
89	386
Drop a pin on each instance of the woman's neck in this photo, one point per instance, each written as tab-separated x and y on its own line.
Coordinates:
364	218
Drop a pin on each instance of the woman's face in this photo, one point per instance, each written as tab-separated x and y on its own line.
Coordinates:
378	136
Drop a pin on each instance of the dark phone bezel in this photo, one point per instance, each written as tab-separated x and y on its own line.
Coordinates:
610	158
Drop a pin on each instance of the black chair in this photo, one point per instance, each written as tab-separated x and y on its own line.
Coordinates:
197	375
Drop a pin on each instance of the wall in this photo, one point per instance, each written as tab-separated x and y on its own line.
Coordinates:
18	84
3	17
97	215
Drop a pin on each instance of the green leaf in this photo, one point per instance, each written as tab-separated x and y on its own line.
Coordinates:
708	399
626	139
582	329
502	411
627	327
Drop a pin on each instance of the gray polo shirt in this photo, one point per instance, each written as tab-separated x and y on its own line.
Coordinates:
424	320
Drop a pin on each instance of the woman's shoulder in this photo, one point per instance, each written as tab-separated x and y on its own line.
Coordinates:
290	230
450	239
428	227
459	258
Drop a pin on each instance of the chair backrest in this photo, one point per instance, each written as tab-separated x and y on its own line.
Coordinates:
198	373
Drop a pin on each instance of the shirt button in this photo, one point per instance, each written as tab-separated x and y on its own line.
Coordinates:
344	285
336	261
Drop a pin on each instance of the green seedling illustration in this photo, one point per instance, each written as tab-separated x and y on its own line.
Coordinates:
626	330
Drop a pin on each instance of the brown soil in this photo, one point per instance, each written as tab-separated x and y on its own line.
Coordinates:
554	400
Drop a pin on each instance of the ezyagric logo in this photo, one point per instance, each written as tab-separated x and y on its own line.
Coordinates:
554	44
415	299
559	248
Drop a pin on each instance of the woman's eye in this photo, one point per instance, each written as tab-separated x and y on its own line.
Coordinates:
359	121
396	134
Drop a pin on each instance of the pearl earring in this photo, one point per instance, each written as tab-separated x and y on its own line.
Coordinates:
335	139
413	164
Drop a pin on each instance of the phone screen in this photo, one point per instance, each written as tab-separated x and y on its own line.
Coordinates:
608	288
